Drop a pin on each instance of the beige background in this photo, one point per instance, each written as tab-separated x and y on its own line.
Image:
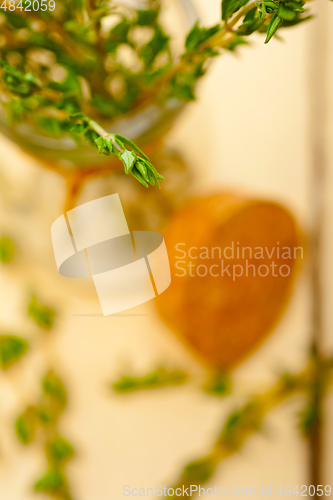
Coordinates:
249	130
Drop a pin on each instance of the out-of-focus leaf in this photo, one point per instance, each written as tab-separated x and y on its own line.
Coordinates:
157	44
308	418
236	42
7	249
230	7
199	35
158	378
286	13
198	471
45	415
54	482
138	176
246	419
54	388
42	314
147	17
25	425
12	348
59	449
219	384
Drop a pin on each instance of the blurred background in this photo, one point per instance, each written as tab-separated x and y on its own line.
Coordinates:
249	132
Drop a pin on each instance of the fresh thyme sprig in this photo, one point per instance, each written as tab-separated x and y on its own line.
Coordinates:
27	93
43	418
248	419
241	19
134	160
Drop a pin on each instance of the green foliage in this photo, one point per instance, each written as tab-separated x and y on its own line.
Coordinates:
242	421
26	425
218	384
129	159
288	380
198	471
274	25
46	414
247	419
42	418
59	450
7	249
309	417
54	389
198	35
157	44
42	314
54	482
160	377
44	83
138	166
17	82
230	7
12	348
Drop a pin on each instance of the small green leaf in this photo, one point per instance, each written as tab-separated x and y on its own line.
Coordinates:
123	140
247	418
54	388
286	13
25	426
230	7
160	377
110	144
102	146
309	417
41	314
199	35
141	167
45	415
252	21
157	44
128	158
138	176
295	22
53	482
182	87
151	179
218	384
274	25
59	449
271	6
147	17
199	471
7	249
235	42
32	79
12	348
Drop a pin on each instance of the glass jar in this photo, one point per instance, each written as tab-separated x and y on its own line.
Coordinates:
34	197
144	126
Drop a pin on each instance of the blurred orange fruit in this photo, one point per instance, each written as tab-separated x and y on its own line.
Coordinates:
221	312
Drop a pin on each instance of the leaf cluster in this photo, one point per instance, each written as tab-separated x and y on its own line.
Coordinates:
62	71
42	418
